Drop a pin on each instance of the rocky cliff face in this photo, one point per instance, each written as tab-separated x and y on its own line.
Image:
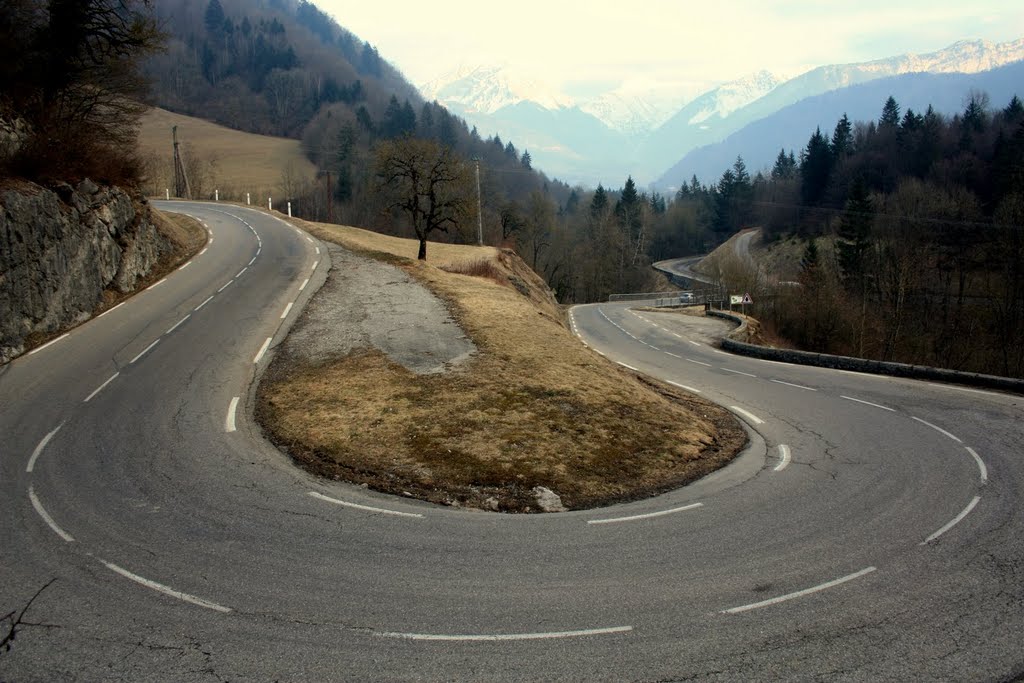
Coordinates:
60	249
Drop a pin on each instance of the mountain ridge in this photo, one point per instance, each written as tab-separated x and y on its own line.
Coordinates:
649	147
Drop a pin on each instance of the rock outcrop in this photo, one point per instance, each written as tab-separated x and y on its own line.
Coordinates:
60	249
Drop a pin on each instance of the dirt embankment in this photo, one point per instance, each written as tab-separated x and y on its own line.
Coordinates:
510	407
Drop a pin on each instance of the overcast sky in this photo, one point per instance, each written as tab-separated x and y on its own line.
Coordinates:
576	45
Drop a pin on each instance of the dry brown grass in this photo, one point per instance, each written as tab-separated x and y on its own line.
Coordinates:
241	162
533	407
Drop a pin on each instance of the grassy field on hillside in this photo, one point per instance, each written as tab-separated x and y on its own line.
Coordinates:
219	158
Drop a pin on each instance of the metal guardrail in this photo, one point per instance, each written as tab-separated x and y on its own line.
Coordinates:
668	299
647	296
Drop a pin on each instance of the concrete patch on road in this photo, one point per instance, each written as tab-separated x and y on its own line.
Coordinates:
383	308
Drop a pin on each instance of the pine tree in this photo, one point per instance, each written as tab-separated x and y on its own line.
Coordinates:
853	248
370	61
214	17
854	235
809	263
815	169
526	160
1015	110
599	202
842	139
890	114
785	166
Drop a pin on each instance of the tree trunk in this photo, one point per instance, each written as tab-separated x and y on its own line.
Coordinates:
422	256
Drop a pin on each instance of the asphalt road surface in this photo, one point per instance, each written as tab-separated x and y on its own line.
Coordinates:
872	531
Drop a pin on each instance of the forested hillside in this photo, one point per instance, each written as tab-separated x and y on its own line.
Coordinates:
266	67
283	67
926	214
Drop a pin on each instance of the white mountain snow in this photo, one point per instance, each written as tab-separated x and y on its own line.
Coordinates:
965	56
656	121
728	97
487	89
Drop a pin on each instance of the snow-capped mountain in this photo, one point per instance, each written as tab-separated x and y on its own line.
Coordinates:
630	115
728	97
486	90
760	141
639	105
633	108
643	128
965	56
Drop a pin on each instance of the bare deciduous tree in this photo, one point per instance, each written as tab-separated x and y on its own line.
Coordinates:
427	182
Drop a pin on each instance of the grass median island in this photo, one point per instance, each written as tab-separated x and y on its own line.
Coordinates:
532	408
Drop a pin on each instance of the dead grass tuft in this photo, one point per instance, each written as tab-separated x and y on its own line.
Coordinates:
484	268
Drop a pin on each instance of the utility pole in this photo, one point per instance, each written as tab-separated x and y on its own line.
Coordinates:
479	210
330	199
181	186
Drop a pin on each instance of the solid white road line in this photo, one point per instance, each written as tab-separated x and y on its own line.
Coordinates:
144	351
506	636
799	594
109	310
953	522
940	430
649	515
303	285
738	372
263	350
101	387
40	447
286	310
790	384
205	302
366	508
747	414
868	403
956	388
229	421
628	367
683	386
46	516
157	284
178	324
166	590
785	457
54	341
186	265
981	464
